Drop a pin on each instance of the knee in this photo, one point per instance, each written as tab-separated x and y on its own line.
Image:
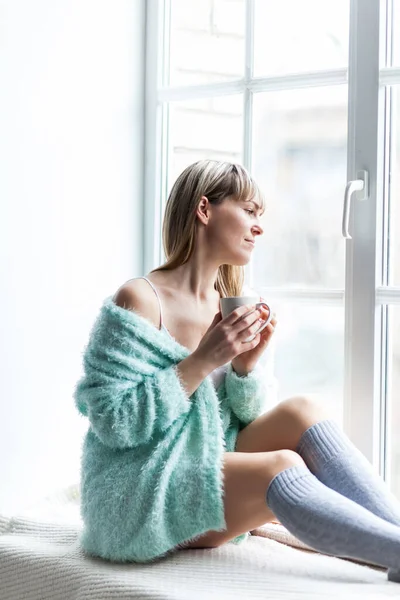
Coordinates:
300	407
285	458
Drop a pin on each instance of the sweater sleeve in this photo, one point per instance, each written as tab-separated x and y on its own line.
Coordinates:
246	395
125	414
255	393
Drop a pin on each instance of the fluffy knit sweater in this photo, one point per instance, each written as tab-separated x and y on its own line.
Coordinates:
152	456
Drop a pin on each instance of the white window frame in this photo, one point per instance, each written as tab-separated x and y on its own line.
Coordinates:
367	345
367	398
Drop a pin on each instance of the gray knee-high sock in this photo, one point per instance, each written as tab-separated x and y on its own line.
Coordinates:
329	522
338	463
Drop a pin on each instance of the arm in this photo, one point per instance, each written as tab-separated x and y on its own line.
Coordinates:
251	394
127	412
193	369
255	393
247	396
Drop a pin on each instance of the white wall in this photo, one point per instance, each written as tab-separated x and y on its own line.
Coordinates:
71	161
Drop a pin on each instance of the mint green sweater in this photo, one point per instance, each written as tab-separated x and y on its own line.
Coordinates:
152	457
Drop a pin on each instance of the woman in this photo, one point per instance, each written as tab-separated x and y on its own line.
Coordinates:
190	453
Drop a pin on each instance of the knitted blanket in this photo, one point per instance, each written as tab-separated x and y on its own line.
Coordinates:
41	559
152	457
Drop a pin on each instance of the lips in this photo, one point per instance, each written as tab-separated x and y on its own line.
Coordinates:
250	242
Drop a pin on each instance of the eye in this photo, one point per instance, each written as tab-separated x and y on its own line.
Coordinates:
249	211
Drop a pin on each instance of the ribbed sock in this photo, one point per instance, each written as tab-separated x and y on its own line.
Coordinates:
332	457
329	522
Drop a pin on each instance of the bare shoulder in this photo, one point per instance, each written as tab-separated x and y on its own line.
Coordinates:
138	296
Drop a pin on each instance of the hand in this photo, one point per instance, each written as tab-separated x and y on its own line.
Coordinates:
246	362
224	339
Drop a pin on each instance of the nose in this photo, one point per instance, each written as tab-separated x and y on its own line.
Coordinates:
257	230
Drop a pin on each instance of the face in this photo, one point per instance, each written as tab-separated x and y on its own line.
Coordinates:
230	227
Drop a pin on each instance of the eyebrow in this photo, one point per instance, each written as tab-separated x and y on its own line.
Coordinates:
255	204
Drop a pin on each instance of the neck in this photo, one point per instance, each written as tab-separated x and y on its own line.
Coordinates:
196	281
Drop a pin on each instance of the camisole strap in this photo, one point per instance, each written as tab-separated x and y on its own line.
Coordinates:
158	297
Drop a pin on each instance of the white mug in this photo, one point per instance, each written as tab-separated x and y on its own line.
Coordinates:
230	303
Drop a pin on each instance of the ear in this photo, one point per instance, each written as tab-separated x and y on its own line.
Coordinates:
203	210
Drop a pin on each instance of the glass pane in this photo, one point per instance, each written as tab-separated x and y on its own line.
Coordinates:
396	33
308	352
394	191
206	41
394	411
299	159
206	128
293	36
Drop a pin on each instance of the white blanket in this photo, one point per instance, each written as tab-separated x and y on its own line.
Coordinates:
40	559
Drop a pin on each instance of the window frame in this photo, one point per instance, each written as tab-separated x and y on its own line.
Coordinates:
366	297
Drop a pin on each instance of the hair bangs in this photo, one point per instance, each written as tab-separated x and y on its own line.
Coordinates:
245	188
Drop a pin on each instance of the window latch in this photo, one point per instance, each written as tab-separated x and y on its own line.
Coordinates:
356	185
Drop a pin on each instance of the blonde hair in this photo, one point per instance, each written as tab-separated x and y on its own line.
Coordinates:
216	180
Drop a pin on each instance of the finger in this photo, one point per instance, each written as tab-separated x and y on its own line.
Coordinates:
265	333
216	319
266	336
269	328
252	343
237	315
265	315
248	321
263	300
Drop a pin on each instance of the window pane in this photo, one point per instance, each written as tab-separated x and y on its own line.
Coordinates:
206	41
394	377
205	128
299	159
308	352
394	191
293	36
396	33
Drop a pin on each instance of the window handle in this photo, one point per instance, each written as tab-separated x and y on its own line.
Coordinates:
362	183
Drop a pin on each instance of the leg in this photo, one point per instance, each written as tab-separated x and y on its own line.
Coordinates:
300	424
246	478
281	427
331	523
339	464
317	515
